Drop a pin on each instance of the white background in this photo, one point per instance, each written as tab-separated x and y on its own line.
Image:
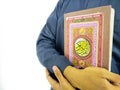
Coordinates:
20	25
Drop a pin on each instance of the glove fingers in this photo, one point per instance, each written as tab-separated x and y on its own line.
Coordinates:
52	82
58	74
112	77
115	78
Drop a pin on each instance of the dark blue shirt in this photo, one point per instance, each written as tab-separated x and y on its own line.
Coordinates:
50	44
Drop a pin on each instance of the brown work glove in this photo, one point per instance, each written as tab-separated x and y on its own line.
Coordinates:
92	78
63	84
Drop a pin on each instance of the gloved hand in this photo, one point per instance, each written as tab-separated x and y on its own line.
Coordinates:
63	84
92	78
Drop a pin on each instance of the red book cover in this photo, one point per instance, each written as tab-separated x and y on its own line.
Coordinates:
86	34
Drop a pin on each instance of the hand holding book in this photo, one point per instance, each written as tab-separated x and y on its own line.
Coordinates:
88	42
92	78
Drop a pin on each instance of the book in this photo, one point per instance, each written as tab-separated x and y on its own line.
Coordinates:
88	37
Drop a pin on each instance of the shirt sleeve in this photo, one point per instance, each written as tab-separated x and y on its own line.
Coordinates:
46	45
